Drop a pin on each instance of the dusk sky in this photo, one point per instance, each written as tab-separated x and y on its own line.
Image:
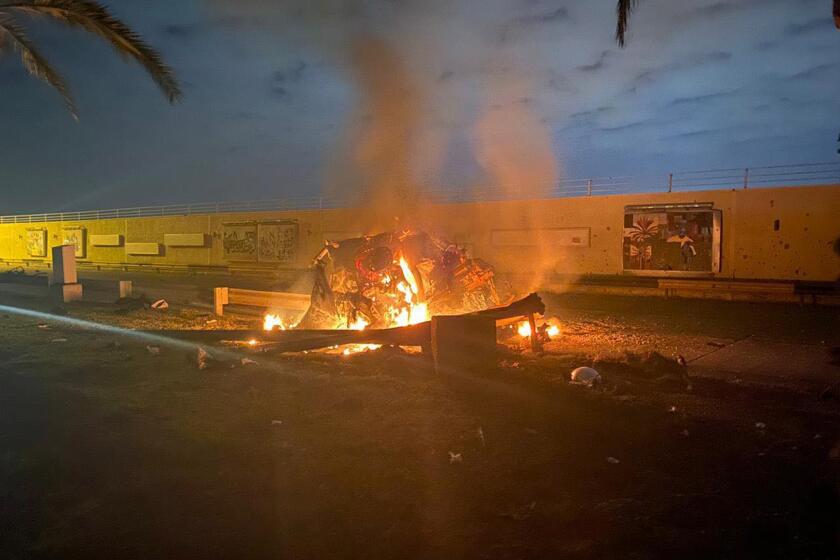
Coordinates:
272	106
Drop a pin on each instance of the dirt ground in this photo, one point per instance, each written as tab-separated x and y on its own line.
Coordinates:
111	450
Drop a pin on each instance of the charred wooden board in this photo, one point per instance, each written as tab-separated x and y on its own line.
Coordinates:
297	340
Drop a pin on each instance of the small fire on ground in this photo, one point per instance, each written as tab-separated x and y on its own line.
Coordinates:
550	329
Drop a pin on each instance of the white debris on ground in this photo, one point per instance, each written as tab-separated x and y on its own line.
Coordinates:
160	304
202	358
585	376
153	350
455	457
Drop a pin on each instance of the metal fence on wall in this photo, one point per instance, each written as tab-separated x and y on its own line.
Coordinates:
735	178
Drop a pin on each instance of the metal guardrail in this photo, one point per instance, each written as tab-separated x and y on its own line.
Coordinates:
735	178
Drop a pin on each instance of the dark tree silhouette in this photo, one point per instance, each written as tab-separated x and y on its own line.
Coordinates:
90	16
625	7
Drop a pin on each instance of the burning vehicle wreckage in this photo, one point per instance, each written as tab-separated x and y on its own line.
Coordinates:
385	289
395	280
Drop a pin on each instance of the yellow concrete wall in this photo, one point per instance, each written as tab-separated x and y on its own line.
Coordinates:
809	220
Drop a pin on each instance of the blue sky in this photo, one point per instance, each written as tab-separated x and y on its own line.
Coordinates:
487	91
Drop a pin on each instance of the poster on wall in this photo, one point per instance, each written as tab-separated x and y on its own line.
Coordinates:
239	241
672	239
75	236
278	242
36	242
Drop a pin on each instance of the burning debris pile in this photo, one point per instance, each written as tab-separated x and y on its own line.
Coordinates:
395	279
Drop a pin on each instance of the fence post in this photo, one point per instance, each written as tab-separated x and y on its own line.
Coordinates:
589	187
670	181
746	177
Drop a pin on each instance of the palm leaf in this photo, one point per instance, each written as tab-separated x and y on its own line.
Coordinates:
13	35
95	18
623	10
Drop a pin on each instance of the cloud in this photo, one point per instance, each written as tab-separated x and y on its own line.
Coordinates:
283	79
551	16
181	30
598	64
702	98
528	21
687	63
695	134
292	73
796	29
814	71
724	8
629	126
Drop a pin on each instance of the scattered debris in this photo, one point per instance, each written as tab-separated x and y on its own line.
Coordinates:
211	322
248	361
481	437
673	409
685	433
160	304
153	350
276	422
760	425
613	460
585	376
531	431
519	513
831	392
455	457
44	326
59	340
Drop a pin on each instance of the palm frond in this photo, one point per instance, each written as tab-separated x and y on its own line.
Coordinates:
96	19
11	34
623	10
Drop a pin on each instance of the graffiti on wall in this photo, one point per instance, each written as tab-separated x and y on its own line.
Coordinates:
268	242
674	240
74	236
36	242
278	242
239	241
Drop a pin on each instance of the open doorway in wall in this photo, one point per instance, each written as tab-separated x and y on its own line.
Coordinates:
672	239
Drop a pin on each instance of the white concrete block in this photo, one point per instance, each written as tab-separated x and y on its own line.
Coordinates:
64	265
106	240
126	289
67	292
152	249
